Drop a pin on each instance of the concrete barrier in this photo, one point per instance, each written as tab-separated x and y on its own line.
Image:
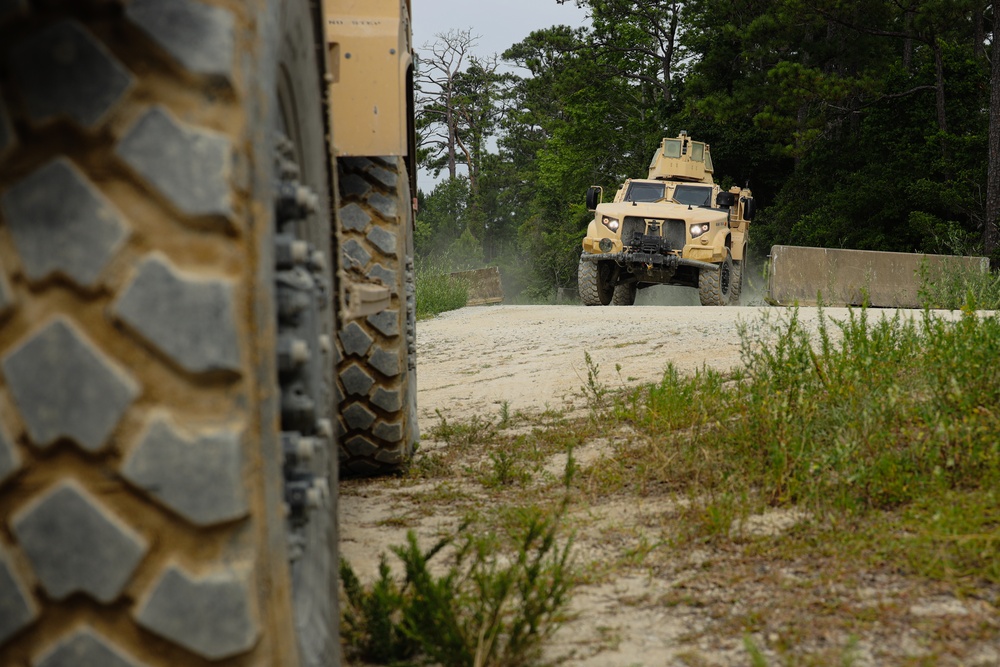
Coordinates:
485	286
798	275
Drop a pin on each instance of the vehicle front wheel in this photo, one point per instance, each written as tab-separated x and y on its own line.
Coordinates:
595	281
715	287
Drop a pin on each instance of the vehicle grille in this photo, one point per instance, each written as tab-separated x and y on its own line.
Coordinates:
672	229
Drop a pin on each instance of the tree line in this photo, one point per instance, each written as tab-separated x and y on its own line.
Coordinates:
869	124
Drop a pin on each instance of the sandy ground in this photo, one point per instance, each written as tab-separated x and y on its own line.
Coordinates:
474	360
532	357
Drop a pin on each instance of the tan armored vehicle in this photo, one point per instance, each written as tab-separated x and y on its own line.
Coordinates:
675	227
206	312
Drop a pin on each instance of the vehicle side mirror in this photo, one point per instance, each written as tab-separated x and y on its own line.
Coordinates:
749	208
595	194
725	200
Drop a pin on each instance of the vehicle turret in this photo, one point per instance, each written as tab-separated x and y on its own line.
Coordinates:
682	159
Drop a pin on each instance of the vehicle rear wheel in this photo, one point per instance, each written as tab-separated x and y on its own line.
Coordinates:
715	286
737	279
377	384
625	294
595	282
163	447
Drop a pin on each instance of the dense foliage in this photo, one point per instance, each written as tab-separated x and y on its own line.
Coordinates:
857	123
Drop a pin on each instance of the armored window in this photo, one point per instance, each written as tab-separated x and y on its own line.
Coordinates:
671	147
644	192
697	151
693	195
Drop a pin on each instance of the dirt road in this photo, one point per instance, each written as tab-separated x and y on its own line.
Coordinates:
532	357
687	608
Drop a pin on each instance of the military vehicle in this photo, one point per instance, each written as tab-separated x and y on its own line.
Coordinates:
206	291
674	227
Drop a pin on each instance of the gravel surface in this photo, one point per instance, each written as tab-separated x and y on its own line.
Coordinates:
472	360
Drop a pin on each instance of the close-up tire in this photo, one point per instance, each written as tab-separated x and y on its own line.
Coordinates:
167	455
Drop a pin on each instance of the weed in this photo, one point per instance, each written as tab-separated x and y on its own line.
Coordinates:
495	604
504	415
635	555
595	392
870	415
430	465
954	538
475	431
955	289
439	292
757	658
505	470
370	620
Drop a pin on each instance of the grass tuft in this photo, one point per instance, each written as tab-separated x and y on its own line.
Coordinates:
438	293
501	594
955	290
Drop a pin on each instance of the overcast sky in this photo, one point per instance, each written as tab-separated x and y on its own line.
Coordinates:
499	23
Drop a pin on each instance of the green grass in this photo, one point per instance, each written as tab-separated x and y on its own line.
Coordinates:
439	292
882	416
954	290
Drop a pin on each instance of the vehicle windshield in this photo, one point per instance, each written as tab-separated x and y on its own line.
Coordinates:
693	195
644	192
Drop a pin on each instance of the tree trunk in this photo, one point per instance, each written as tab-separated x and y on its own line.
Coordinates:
978	30
452	138
939	92
668	56
908	42
990	233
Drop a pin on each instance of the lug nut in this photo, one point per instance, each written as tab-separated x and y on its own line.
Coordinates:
318	493
324	429
307	448
292	353
298	448
307	199
289	251
317	261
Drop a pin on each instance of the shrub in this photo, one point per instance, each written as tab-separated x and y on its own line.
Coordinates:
439	292
494	605
954	290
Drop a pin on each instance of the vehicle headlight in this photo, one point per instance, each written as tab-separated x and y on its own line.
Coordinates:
699	229
610	223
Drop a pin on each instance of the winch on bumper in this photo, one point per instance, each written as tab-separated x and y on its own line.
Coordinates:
648	251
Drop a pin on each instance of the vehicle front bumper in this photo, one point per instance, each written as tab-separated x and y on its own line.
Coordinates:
645	259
